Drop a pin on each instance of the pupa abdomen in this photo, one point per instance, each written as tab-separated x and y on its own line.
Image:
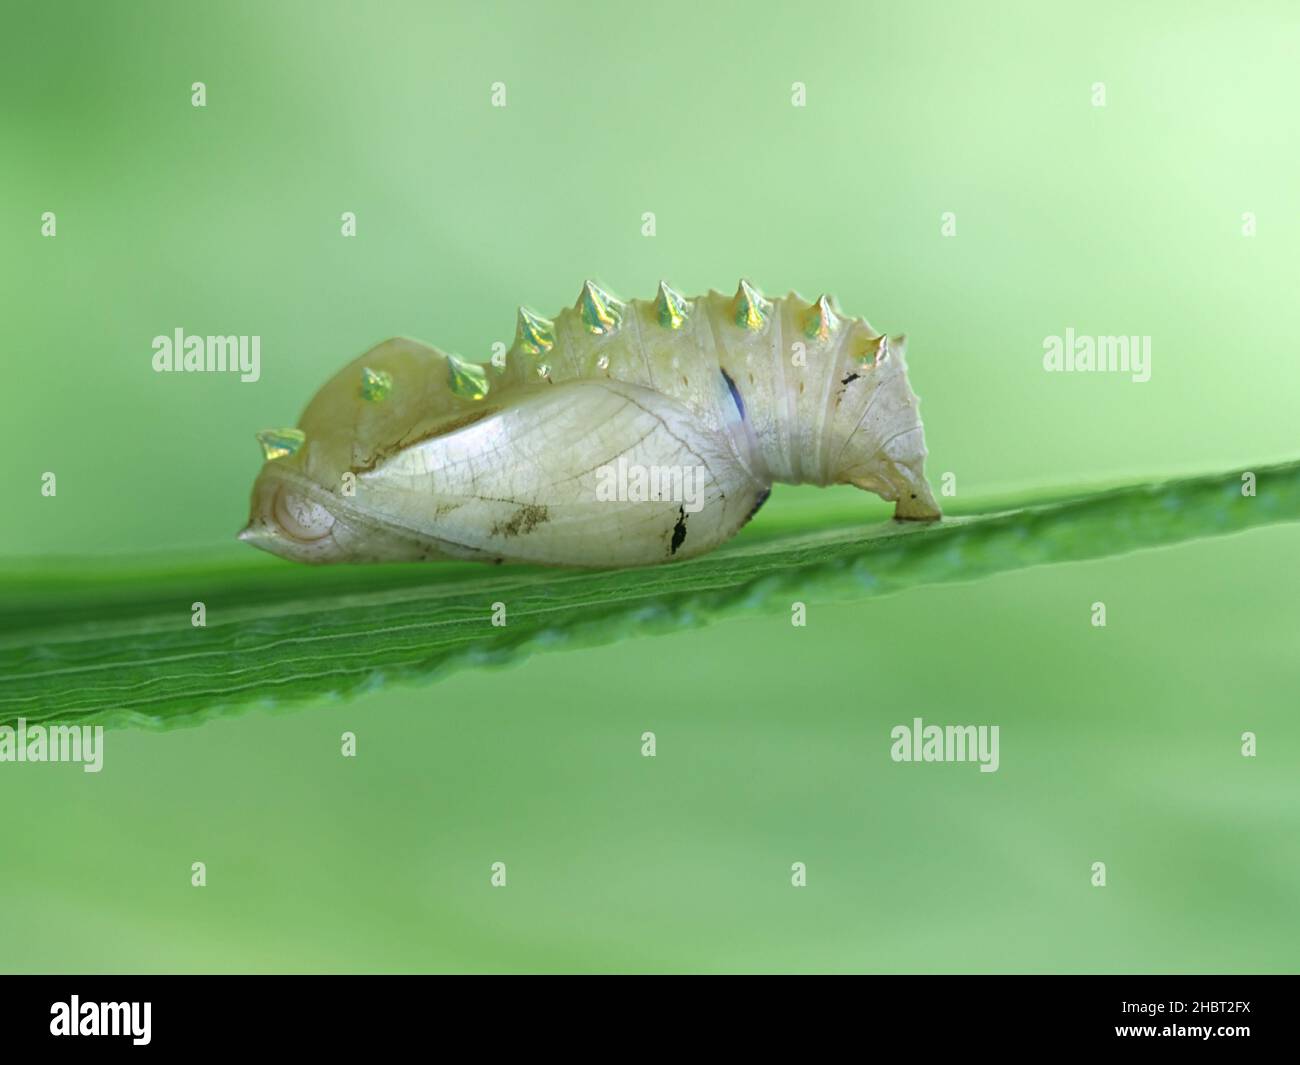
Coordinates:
616	434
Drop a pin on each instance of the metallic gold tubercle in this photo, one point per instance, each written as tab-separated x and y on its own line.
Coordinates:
671	307
467	379
876	354
280	443
821	320
601	313
751	309
536	335
375	384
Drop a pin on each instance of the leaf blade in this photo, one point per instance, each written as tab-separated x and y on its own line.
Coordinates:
111	644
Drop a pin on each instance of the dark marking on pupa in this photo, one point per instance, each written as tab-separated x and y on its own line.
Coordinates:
523	520
442	428
735	394
849	378
679	531
445	508
758	503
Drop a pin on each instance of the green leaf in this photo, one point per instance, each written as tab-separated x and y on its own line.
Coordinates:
112	643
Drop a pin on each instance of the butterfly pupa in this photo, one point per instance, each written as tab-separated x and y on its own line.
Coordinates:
616	434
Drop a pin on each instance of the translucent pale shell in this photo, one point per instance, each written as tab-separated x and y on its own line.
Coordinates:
616	434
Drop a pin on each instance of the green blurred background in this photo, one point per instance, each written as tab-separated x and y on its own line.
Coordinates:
1118	745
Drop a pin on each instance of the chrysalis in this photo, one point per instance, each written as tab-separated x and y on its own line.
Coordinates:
617	434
